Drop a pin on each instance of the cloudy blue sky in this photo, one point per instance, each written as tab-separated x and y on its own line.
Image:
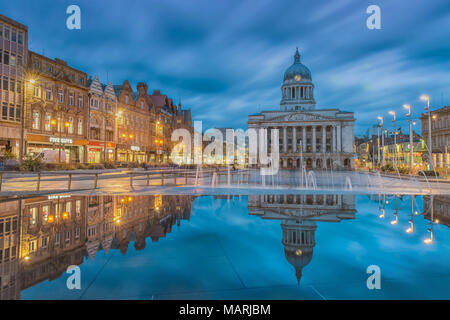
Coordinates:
225	59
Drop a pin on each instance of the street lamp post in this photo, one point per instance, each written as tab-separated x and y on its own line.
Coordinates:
411	146
426	98
22	119
380	125
395	138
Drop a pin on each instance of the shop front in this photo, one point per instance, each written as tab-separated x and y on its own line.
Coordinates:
96	151
9	139
131	154
73	148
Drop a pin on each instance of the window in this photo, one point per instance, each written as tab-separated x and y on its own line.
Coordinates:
6	35
20	38
48	94
1	35
77	233
12	85
32	246
37	91
11	112
70	129
19	60
18	108
80	127
44	242
36	120
71	100
13	60
1	55
45	212
5	83
5	111
126	99
47	124
67	235
80	101
69	207
6	58
78	207
19	87
33	216
60	97
57	238
14	35
142	105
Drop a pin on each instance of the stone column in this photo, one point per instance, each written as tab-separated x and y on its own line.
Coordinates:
284	140
294	139
324	139
304	138
333	141
339	137
313	139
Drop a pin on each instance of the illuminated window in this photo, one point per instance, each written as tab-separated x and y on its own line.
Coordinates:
36	120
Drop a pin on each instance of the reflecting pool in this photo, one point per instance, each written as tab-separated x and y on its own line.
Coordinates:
302	246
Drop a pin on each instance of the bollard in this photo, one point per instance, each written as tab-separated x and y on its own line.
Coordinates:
148	179
38	183
95	181
69	183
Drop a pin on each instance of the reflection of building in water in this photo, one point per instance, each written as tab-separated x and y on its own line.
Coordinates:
52	233
9	244
441	209
148	216
52	237
298	215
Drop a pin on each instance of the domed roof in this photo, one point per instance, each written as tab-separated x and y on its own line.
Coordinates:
297	69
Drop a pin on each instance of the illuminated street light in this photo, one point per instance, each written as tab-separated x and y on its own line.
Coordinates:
426	98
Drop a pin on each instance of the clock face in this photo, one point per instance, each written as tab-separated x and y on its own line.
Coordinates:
298	78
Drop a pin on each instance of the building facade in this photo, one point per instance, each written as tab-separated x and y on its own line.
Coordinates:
440	136
56	116
134	135
315	138
13	58
102	122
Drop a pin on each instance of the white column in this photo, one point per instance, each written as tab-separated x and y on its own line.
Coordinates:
333	141
284	140
304	138
313	139
339	137
294	139
324	136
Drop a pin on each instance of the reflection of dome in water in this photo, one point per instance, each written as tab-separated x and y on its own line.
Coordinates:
298	241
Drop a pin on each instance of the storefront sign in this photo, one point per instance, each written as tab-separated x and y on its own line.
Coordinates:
60	140
135	148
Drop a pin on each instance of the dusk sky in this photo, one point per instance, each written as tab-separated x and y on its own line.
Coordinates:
225	59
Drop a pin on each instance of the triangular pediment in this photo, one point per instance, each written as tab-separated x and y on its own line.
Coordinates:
300	116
